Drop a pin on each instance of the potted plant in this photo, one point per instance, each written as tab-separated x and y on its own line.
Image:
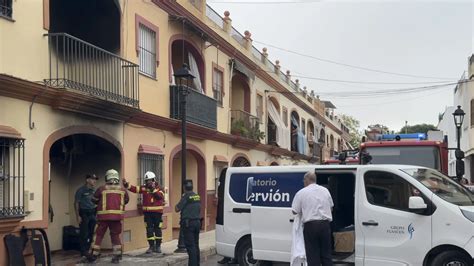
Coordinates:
238	128
256	134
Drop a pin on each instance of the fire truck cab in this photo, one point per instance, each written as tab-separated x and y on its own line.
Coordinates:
428	150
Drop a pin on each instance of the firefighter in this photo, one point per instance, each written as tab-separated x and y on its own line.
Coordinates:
110	199
153	202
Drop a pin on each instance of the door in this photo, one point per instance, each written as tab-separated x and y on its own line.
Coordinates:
271	195
392	234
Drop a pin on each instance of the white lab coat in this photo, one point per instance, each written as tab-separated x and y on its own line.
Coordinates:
298	254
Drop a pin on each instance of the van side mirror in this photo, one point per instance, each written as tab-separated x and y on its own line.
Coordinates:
416	203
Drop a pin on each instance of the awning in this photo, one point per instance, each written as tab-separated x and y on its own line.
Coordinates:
9	132
148	149
220	159
242	69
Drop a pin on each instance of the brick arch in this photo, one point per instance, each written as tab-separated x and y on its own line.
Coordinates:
202	177
59	134
237	155
195	50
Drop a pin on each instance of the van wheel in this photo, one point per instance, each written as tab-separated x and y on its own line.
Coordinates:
452	258
245	255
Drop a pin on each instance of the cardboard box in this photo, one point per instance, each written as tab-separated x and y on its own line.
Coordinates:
344	241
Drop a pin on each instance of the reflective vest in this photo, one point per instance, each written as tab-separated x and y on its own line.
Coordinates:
153	200
111	200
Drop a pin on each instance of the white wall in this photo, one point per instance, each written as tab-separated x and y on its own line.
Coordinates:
446	124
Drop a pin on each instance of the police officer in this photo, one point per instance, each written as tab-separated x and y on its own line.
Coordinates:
190	208
85	212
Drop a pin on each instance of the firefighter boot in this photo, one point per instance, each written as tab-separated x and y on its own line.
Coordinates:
157	249
116	259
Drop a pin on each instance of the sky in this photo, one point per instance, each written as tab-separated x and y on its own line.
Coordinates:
430	39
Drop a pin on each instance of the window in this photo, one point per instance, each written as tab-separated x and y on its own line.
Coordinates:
218	84
147	51
285	116
472	113
12	179
303	126
388	190
6	8
150	162
260	107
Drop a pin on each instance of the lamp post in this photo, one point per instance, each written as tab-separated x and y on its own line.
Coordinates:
183	76
458	119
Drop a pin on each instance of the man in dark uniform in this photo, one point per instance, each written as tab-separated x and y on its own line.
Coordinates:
190	208
85	212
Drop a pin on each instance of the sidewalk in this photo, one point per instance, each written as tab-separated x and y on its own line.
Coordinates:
207	244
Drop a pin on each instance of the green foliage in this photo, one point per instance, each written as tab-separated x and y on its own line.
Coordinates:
239	128
354	129
420	128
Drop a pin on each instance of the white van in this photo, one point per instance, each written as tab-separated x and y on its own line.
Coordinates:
396	214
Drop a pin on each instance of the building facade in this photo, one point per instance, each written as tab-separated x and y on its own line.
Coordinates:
82	94
464	97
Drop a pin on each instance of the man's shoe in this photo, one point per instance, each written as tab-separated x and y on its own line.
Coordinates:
92	258
233	261
84	259
150	250
224	260
157	249
116	259
180	250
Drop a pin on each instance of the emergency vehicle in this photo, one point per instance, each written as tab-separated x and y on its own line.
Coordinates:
428	150
388	214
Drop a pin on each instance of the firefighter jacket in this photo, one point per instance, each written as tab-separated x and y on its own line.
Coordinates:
111	200
153	199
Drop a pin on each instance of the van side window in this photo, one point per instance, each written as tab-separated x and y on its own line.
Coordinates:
388	190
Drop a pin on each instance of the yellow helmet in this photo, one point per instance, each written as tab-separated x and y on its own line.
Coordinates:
112	176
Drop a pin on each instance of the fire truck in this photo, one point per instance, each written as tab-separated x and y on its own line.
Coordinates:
429	150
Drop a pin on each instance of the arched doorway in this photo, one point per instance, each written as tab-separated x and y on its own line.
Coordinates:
71	157
312	137
192	57
241	161
195	170
274	164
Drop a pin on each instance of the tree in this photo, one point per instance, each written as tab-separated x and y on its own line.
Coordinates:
420	128
354	129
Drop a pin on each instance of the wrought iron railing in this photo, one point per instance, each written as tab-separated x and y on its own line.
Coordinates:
12	177
78	65
200	109
245	125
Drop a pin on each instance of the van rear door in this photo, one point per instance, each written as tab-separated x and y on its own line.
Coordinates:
271	195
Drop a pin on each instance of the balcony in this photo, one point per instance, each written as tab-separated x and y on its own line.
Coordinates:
245	125
200	109
92	71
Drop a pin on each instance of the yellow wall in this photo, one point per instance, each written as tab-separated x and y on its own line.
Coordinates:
23	48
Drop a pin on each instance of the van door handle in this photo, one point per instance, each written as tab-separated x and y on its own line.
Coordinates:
292	220
370	223
241	210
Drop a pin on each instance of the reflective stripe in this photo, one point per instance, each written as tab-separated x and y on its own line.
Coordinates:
161	225
104	201
151	238
152	208
158	238
111	212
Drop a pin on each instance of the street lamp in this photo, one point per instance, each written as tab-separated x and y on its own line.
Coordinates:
458	119
183	78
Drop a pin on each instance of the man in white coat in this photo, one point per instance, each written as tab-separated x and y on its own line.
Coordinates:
314	204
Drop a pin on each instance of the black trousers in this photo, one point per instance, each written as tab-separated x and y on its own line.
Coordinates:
153	228
191	230
317	243
86	228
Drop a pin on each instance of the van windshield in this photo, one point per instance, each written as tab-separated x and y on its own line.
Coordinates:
442	186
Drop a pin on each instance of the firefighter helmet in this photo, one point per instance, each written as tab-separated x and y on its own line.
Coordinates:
112	176
149	176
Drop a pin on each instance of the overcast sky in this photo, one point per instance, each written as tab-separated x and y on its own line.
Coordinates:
422	38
